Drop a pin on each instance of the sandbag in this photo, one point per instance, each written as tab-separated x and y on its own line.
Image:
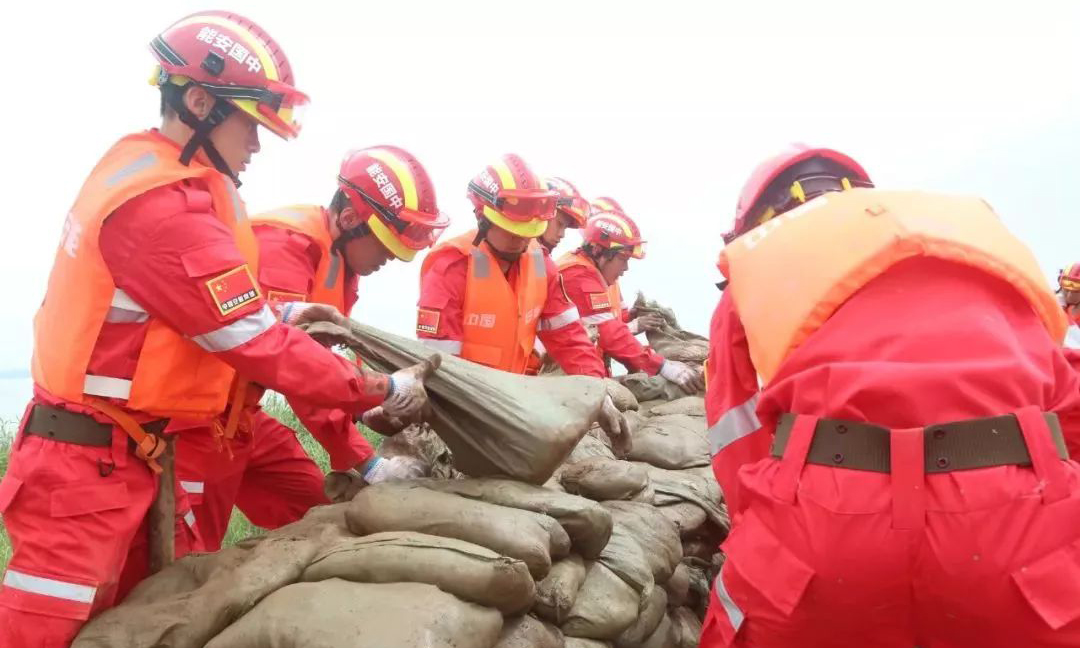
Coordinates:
333	613
195	598
688	518
624	556
678	586
497	424
646	388
652	610
702	549
675	441
587	523
555	595
406	506
687	406
529	632
622	397
655	534
468	571
699	590
600	478
590	446
697	485
663	636
687	627
605	605
577	642
670	340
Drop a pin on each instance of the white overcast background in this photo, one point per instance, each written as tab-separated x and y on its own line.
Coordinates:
665	106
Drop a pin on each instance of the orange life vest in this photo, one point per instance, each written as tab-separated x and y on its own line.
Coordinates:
310	220
789	275
174	377
579	259
500	320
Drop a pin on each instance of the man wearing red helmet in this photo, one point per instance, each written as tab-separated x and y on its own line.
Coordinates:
152	312
571	212
591	276
882	387
489	294
1069	297
384	209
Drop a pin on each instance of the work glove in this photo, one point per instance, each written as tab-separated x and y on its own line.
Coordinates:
615	426
377	420
689	380
647	322
407	396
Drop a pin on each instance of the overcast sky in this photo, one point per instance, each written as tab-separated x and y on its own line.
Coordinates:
665	106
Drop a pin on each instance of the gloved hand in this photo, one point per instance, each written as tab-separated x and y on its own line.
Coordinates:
689	380
300	313
615	426
377	419
647	322
407	396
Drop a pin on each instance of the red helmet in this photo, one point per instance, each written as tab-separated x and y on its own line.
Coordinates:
234	59
614	231
512	197
766	173
1069	278
390	189
569	201
605	204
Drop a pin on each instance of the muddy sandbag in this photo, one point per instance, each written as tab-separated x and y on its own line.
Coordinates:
555	595
697	485
600	478
702	549
655	534
587	523
529	632
688	518
577	642
687	627
406	506
590	446
652	610
663	636
673	442
468	571
497	424
678	586
333	613
195	598
646	388
624	556
699	590
687	405
671	340
605	605
622	397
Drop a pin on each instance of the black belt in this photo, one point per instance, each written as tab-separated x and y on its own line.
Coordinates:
79	429
962	445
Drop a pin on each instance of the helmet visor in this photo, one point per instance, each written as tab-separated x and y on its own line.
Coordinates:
415	229
520	204
575	208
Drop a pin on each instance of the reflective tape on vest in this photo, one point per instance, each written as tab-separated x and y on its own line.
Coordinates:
49	587
1072	337
736	423
599	318
731	609
453	347
141	163
124	310
332	272
239	332
106	386
195	488
481	268
565	318
538	260
189	519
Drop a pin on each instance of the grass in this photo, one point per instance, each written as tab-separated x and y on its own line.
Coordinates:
239	526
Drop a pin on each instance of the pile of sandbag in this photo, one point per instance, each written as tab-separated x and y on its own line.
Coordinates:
608	552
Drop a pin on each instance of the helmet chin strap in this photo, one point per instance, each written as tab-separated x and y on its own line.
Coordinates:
347	235
483	226
200	137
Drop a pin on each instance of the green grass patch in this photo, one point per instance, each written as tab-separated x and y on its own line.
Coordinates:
239	526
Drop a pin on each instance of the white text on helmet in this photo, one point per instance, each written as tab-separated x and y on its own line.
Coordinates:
609	227
489	183
236	51
386	188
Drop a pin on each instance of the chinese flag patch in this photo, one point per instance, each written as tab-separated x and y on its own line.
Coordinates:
427	321
599	301
233	289
278	297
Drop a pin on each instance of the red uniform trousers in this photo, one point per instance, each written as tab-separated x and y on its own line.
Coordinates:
80	546
823	557
270	477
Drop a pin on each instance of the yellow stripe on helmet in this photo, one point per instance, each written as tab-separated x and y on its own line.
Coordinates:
390	240
527	229
627	230
604	205
253	43
506	178
401	170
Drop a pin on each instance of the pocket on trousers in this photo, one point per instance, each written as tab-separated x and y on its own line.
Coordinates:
88	498
1051	585
766	565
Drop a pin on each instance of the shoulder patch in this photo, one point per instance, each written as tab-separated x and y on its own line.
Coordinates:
599	301
427	321
233	289
276	297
